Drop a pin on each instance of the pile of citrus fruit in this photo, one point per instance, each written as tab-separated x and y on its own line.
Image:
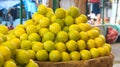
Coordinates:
63	35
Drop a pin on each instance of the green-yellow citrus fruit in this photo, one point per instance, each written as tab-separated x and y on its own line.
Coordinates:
60	13
49	45
69	20
75	55
91	44
74	27
31	54
42	55
55	55
60	46
71	45
65	56
42	31
34	37
55	28
83	35
73	11
37	46
6	53
22	57
26	45
48	36
44	22
42	9
62	36
81	45
3	29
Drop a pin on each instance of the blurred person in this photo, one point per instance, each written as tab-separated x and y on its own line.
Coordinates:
95	6
13	12
10	20
1	15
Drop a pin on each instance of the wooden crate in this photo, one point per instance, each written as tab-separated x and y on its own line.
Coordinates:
106	61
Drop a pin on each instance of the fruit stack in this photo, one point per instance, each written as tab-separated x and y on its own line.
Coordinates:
63	35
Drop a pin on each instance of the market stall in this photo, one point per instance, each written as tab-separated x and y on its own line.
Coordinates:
56	38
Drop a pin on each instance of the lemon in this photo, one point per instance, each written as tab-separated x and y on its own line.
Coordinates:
74	27
79	20
37	46
19	26
42	55
48	36
16	42
99	42
26	44
31	54
60	46
73	11
55	28
62	36
42	9
69	20
75	55
49	45
31	29
65	56
96	28
44	22
6	53
108	45
81	45
31	64
42	31
3	29
107	50
36	17
71	45
22	57
53	18
24	36
34	37
11	46
1	40
10	37
19	32
74	35
102	51
28	22
94	52
91	44
103	37
1	60
85	54
84	18
92	34
55	55
3	37
49	9
10	63
60	22
65	28
84	27
60	13
38	26
96	33
49	14
83	35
